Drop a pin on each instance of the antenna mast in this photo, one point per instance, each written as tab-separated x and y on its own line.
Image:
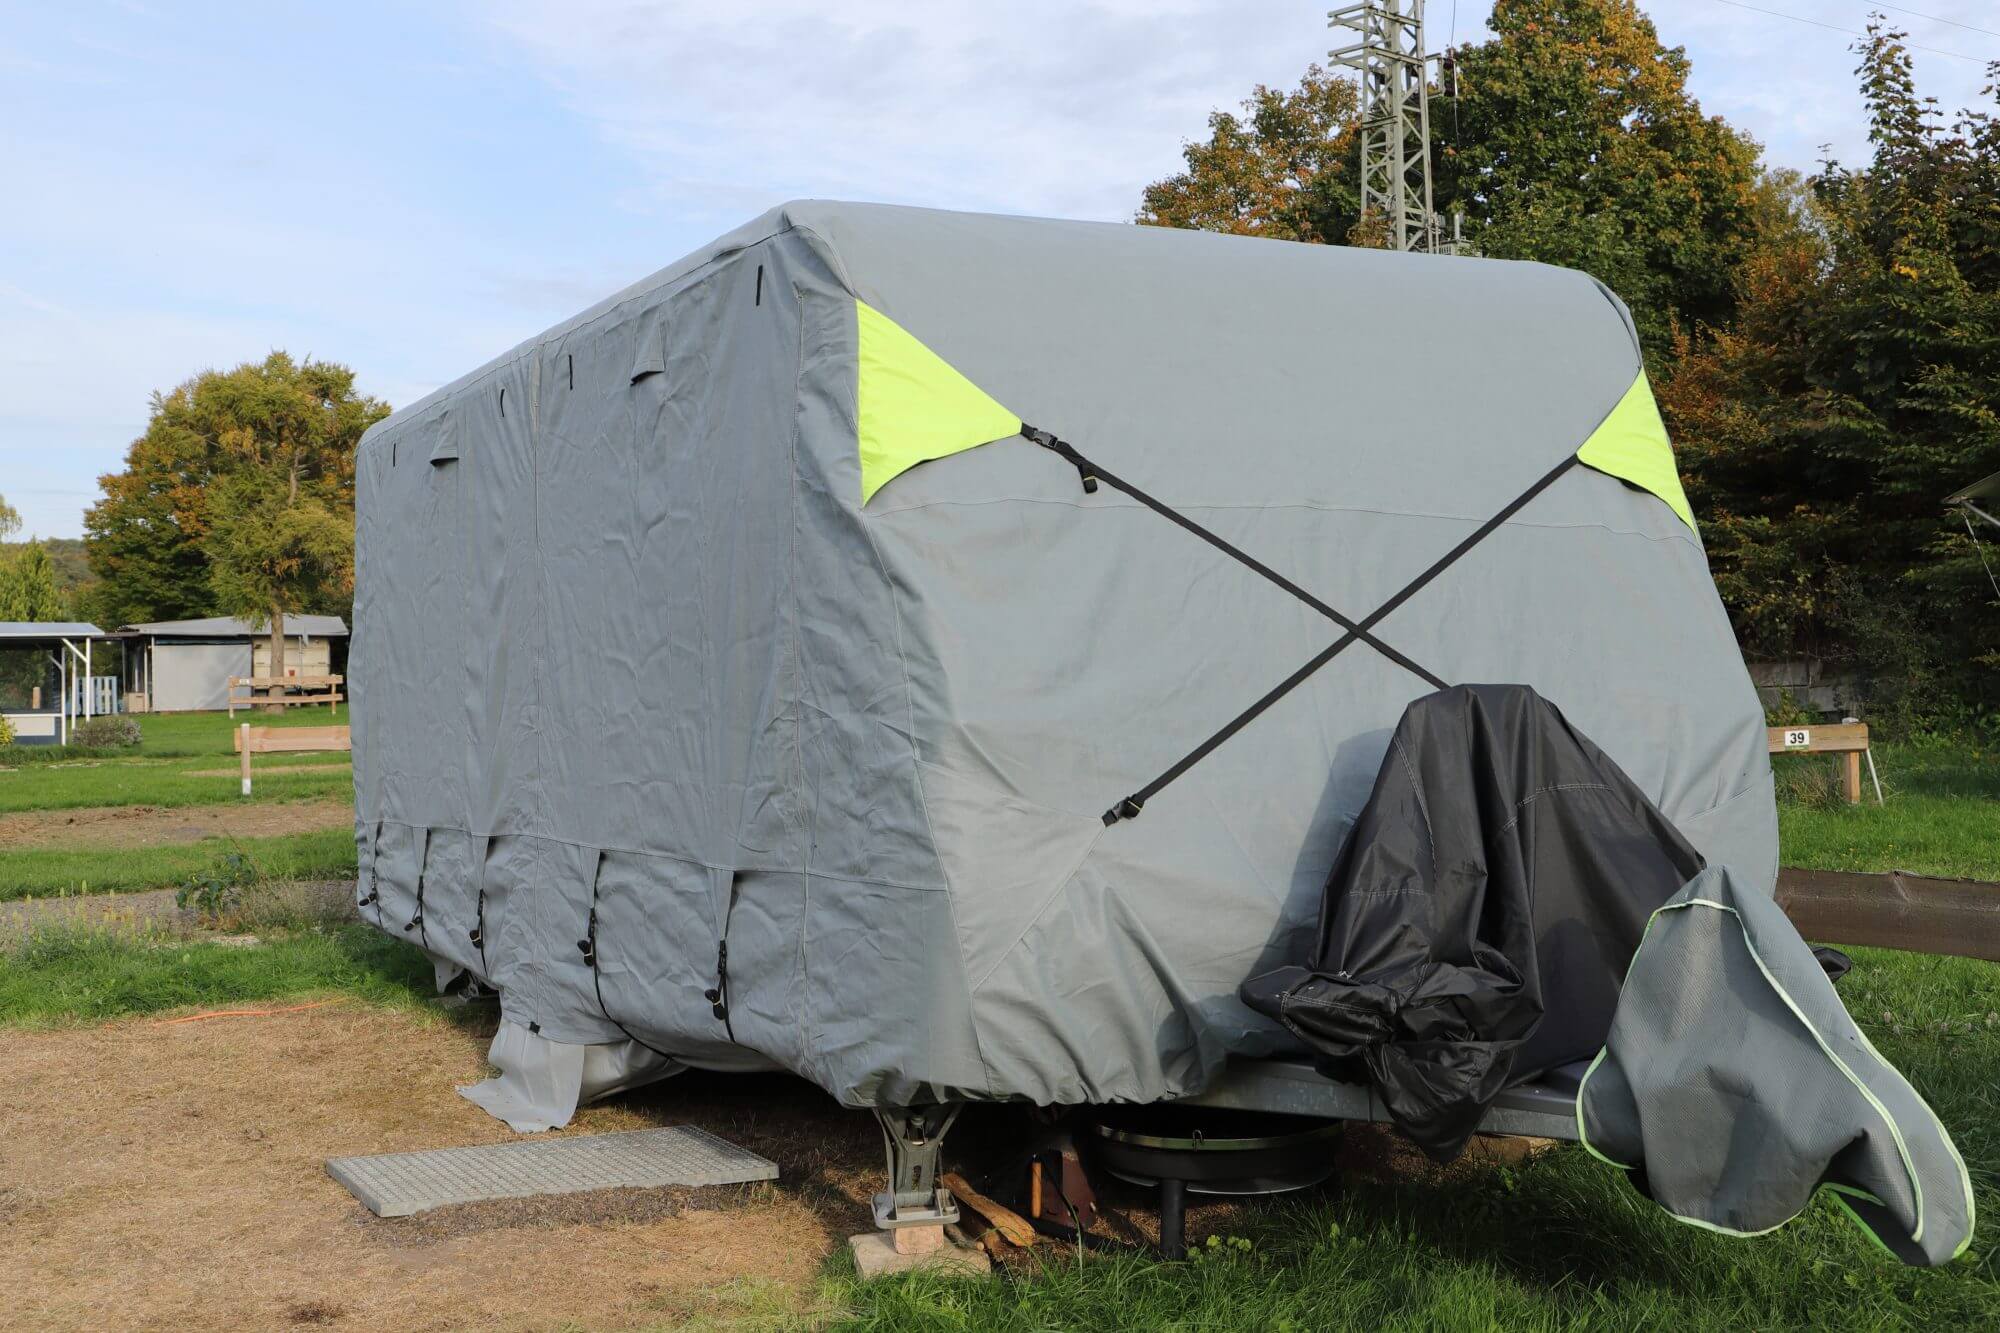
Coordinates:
1395	118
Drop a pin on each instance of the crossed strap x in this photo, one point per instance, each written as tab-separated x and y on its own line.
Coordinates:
1357	631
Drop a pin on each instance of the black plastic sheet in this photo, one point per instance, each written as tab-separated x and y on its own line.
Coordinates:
1480	917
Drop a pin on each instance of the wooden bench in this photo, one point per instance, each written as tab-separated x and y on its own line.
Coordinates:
1849	740
318	690
286	740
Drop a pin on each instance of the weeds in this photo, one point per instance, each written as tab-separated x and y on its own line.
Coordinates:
214	892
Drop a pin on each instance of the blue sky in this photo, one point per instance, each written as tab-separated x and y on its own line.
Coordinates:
411	188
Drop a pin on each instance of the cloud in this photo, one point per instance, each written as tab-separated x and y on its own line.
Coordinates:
1036	107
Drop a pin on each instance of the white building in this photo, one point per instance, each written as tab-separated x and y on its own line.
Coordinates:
179	666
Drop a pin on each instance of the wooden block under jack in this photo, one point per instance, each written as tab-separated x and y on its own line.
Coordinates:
917	1240
881	1253
1505	1149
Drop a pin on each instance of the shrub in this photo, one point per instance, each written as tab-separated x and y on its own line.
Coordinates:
6	732
217	892
105	733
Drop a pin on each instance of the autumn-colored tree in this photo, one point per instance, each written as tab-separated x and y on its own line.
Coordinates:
1571	139
1859	384
1285	169
238	499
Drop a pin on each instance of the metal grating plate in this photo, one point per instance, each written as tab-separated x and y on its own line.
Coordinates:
399	1184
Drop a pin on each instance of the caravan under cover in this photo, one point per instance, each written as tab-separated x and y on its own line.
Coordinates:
754	667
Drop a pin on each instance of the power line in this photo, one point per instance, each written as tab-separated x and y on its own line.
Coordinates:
1933	18
1851	32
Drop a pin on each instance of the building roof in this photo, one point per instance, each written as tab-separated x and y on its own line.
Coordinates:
229	627
49	629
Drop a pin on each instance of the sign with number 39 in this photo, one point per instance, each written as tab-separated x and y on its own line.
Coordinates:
1797	738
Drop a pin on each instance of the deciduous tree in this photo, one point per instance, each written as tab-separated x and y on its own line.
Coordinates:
1285	169
1859	384
1573	140
28	588
238	499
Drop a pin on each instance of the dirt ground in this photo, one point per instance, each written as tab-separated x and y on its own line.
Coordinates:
156	1177
120	826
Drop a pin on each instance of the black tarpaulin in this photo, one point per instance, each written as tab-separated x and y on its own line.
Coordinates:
1480	917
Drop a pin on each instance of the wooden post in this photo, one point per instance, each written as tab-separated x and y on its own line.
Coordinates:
1853	776
243	737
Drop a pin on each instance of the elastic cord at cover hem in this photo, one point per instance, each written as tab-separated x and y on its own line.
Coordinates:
588	946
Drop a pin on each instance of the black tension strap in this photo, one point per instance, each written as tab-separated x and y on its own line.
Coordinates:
1091	474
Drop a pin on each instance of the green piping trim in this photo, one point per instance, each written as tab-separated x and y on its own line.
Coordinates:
1964	1176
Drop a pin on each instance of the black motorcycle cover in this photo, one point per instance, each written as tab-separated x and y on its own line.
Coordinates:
1482	912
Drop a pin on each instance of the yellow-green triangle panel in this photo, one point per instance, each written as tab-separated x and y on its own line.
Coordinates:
912	406
1632	445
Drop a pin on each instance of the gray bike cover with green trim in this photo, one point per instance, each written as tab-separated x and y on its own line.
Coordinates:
1734	1084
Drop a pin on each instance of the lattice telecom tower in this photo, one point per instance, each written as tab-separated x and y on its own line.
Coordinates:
1395	117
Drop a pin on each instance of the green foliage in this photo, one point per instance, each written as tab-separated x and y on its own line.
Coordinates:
28	588
10	518
6	733
27	592
271	549
217	888
105	733
1286	169
70	565
172	536
1859	384
1574	141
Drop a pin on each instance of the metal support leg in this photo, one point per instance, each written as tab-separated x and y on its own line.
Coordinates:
914	1138
1173	1219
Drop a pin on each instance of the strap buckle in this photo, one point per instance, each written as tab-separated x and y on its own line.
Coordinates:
1048	441
1128	808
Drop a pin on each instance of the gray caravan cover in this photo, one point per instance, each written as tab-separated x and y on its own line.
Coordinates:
666	637
1734	1084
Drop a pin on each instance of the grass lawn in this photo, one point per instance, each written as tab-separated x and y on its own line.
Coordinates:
1942	815
185	760
42	871
65	976
159	772
208	733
